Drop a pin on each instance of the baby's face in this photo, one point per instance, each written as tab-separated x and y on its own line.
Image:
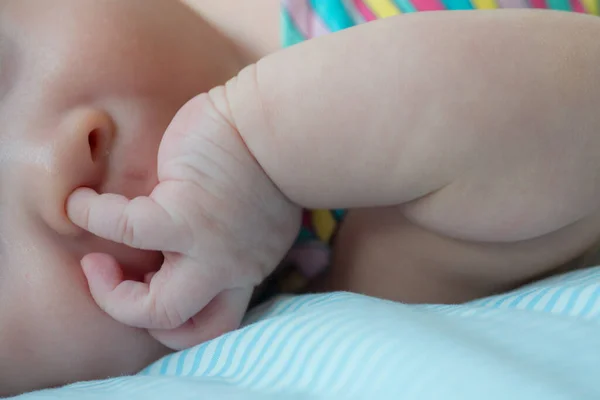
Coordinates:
87	87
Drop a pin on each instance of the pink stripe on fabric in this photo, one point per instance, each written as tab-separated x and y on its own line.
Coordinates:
577	6
364	10
513	3
305	19
538	3
428	5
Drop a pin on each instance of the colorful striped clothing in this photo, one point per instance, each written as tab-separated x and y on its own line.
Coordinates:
307	19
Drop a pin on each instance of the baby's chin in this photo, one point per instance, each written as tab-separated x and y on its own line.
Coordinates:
127	352
72	338
134	352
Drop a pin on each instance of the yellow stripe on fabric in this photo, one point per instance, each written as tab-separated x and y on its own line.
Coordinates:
591	6
383	8
324	224
484	4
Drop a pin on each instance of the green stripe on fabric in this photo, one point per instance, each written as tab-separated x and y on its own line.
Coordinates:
405	6
290	35
458	4
333	13
559	5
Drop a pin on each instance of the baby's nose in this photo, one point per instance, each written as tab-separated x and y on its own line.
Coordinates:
83	146
80	157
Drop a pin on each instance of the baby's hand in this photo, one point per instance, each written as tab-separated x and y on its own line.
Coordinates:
221	223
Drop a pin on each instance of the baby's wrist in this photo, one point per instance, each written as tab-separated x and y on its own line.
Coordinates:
257	209
220	101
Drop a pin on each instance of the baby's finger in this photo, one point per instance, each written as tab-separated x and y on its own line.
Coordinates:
140	223
174	295
223	314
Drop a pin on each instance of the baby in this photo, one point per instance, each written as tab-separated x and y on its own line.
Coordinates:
473	193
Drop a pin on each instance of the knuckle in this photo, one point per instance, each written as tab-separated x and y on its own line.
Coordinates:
164	317
126	232
162	314
155	313
126	226
84	220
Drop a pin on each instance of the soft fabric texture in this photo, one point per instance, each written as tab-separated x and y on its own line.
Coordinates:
539	342
305	19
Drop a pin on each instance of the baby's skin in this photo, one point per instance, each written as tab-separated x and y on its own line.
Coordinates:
89	88
491	165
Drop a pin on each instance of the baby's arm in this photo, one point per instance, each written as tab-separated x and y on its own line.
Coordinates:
496	113
483	126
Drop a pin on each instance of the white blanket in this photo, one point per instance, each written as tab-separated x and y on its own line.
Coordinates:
540	342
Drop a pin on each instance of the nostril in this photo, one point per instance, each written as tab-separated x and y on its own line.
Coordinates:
94	138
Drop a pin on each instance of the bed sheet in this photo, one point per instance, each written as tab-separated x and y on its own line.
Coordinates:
539	342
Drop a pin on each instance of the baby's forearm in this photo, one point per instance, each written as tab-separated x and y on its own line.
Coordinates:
393	110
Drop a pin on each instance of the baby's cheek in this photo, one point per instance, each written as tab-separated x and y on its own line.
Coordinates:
56	335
